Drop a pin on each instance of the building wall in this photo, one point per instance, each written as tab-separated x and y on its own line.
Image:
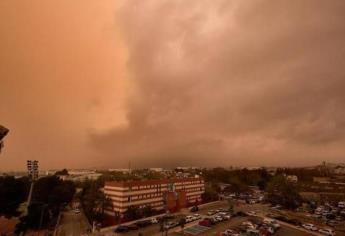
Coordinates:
174	193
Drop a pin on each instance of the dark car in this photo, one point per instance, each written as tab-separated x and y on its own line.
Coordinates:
281	218
121	229
194	209
241	214
143	223
133	226
332	223
295	222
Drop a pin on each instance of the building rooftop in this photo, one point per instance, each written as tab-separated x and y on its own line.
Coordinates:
148	182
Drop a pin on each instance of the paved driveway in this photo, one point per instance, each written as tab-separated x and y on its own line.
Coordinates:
72	224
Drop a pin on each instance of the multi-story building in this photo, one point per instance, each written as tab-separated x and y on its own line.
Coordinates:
165	194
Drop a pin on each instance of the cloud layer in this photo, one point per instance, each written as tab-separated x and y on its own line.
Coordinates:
166	83
233	82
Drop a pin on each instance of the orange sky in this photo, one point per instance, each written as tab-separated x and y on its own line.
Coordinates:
89	83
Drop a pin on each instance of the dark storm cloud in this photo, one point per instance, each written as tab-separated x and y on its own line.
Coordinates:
232	82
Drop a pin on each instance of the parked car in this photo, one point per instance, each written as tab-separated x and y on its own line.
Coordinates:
281	218
171	224
121	229
218	218
133	226
249	225
197	216
205	222
332	223
253	232
154	221
310	227
294	222
194	209
143	223
278	207
76	211
210	213
241	214
189	219
269	221
230	232
328	232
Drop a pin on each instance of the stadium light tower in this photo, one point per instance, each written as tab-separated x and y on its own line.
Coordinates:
3	132
32	166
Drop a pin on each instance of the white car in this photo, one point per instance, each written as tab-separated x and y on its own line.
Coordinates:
249	225
310	227
230	232
189	219
171	224
271	230
210	213
218	218
197	216
328	232
269	221
251	213
154	221
76	211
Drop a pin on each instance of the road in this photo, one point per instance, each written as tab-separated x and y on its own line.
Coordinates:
72	224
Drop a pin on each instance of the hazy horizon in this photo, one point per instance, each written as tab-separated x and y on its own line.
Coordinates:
88	83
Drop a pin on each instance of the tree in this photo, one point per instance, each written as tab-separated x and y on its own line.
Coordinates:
210	194
182	223
62	172
237	186
131	213
54	192
12	193
284	193
49	195
231	205
147	211
94	201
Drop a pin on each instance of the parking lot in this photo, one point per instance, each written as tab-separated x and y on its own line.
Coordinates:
192	228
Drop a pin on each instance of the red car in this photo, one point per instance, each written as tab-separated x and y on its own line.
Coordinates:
206	223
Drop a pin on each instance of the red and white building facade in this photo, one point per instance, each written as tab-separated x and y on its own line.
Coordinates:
166	194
